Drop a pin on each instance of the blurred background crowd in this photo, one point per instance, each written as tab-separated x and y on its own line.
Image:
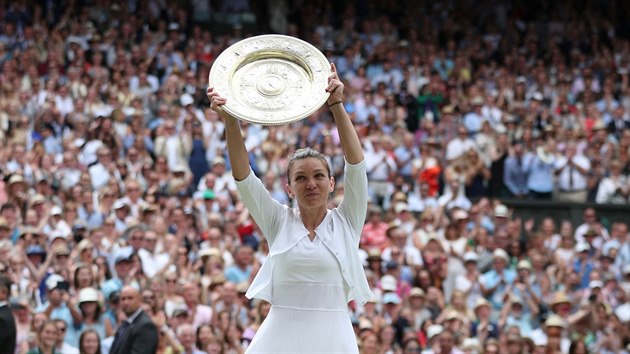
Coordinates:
115	173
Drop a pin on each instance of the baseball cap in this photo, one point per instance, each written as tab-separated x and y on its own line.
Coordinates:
582	247
180	309
460	214
55	234
524	264
55	210
186	99
500	253
208	194
389	283
595	284
35	250
391	298
55	281
120	203
122	255
218	160
400	207
416	292
470	257
501	211
434	330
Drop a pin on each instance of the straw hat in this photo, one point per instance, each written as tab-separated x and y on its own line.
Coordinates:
559	298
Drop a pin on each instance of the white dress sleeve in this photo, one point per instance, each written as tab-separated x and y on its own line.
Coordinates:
354	203
265	210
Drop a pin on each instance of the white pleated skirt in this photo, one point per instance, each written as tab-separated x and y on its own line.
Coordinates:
287	330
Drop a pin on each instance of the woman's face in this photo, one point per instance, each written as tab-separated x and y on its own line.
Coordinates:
49	335
214	348
458	299
369	343
84	277
90	343
310	183
387	335
204	334
451	232
89	307
38	320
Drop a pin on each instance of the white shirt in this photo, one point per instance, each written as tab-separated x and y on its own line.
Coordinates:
607	191
458	147
67	349
152	262
99	176
579	180
412	255
379	165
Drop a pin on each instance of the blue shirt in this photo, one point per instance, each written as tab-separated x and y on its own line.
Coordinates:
473	122
236	275
540	175
586	276
491	279
59	313
515	174
405	155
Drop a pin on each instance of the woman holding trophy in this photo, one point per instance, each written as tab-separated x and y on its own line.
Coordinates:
313	269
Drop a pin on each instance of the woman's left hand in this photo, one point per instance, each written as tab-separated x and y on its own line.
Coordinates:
335	86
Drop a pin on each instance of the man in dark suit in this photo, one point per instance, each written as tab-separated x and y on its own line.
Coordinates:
7	322
137	334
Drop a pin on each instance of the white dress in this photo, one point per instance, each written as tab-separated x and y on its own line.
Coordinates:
309	312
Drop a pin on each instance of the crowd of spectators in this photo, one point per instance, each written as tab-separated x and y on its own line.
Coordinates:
114	171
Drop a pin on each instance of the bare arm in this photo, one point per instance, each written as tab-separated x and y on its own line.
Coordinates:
237	152
347	133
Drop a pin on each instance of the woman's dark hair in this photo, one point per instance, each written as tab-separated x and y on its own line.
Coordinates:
85	333
97	313
305	153
410	340
108	273
574	346
197	341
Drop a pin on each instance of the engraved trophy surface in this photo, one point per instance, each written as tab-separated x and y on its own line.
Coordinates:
271	79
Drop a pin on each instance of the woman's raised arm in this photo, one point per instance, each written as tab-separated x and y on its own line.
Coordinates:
237	152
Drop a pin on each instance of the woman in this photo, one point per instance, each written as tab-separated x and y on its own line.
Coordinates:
476	175
89	342
83	277
46	339
204	336
93	318
313	268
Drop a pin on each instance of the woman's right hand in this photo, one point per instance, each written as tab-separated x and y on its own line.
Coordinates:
216	101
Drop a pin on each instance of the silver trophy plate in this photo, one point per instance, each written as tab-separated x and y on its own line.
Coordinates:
271	79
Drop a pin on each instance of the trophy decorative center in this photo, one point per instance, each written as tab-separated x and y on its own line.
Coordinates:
270	85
